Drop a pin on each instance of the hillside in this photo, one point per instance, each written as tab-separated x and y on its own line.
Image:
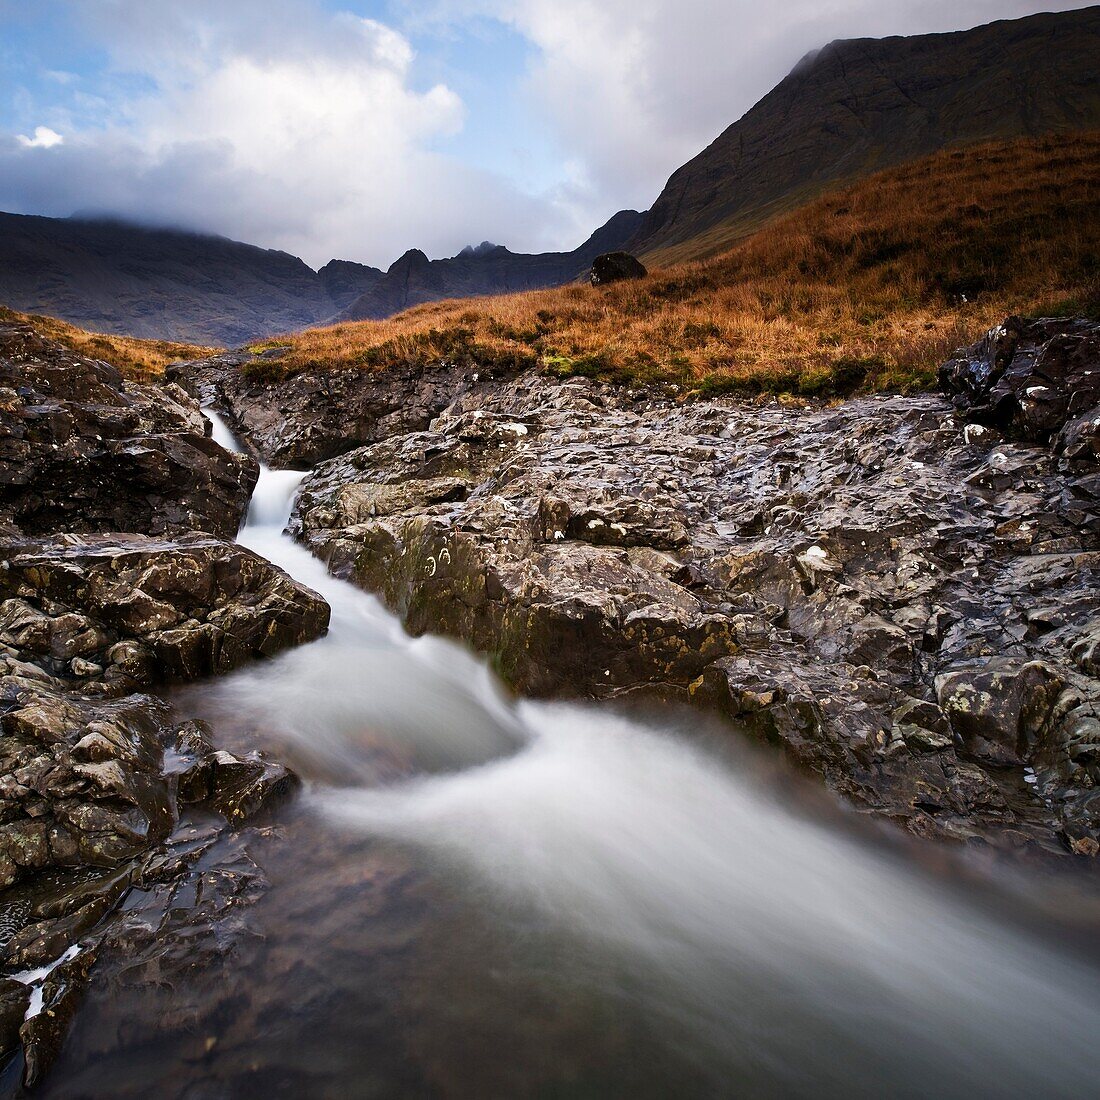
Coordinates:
867	288
486	269
137	360
165	284
863	105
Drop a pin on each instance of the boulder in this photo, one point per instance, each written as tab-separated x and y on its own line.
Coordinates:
123	612
614	267
1032	379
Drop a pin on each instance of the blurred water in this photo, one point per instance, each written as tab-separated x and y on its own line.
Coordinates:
772	953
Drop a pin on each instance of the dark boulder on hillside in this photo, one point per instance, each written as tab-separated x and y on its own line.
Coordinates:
1031	379
81	449
614	267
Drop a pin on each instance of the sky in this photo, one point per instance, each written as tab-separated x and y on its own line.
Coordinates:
361	128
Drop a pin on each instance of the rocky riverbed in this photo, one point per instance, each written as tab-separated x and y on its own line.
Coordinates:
901	592
118	576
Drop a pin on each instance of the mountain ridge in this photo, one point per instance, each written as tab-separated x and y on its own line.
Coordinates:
413	279
859	105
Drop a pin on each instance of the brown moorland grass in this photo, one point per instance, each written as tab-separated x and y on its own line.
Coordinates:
868	288
137	360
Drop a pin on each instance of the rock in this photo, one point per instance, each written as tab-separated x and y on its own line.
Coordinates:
315	415
613	267
43	1034
126	611
1032	379
810	572
1000	710
241	787
83	450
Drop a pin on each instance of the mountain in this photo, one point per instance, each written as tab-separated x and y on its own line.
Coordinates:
861	105
165	284
485	269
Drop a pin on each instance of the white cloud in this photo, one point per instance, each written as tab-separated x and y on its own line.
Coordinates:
44	138
271	122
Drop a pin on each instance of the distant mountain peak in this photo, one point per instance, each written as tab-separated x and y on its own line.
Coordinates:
480	249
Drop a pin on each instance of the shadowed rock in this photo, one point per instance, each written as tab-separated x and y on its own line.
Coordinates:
614	267
84	450
1035	379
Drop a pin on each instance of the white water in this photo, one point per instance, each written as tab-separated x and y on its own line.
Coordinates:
784	958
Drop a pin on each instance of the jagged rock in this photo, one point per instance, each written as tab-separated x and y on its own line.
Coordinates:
1032	378
83	450
614	267
315	415
126	611
811	572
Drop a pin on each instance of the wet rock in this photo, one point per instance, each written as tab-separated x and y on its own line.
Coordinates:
315	415
1029	378
1000	710
84	450
80	783
122	612
43	1034
241	786
814	573
14	1000
614	267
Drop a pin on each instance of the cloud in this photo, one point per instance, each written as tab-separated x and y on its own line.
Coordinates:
44	138
293	126
633	88
272	122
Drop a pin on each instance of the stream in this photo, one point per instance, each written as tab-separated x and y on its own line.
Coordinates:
476	896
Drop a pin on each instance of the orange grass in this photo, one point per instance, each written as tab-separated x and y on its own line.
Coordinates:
137	360
868	288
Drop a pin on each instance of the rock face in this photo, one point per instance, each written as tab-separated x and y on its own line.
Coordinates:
120	615
907	603
109	587
83	450
613	267
316	415
1036	380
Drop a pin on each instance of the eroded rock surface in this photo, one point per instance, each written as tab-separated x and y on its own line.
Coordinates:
318	414
122	613
1037	380
83	450
906	602
100	784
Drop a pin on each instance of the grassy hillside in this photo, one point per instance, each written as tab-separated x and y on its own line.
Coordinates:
866	288
138	360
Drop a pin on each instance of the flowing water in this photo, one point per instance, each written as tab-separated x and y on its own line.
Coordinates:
477	897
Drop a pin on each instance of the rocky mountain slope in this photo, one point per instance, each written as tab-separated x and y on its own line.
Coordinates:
165	284
486	269
861	105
